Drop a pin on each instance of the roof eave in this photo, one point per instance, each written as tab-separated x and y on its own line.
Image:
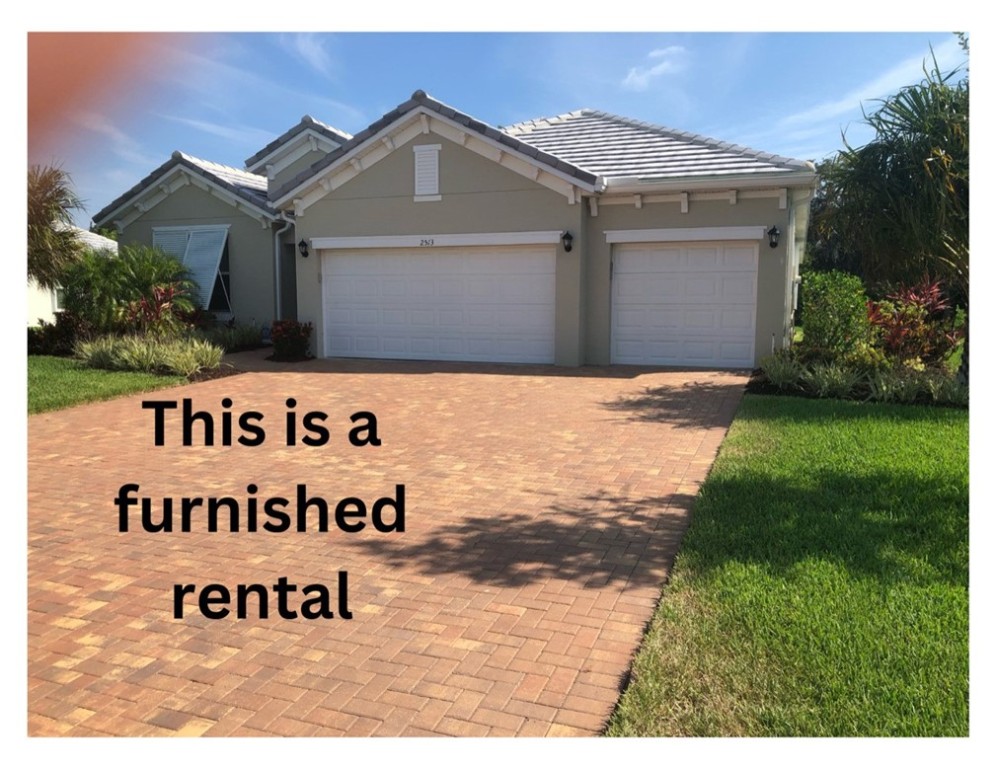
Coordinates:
716	182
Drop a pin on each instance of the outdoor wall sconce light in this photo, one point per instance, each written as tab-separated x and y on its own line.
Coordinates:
568	241
774	234
302	247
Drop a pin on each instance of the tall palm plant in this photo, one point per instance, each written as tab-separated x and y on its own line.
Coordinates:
52	242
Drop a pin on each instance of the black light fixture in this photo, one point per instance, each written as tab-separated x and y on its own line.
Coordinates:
774	234
568	241
302	247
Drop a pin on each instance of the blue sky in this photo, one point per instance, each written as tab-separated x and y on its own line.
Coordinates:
222	97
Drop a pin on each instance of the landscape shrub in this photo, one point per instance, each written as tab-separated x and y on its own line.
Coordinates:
154	314
291	339
831	379
235	337
915	325
58	338
835	318
782	369
189	356
182	355
108	291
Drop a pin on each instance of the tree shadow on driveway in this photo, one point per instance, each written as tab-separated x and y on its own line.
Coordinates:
598	541
690	404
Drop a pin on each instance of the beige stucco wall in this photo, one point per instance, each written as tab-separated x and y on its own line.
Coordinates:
250	247
478	195
288	173
772	272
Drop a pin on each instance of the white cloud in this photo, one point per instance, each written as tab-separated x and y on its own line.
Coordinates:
120	142
670	60
311	49
948	55
240	135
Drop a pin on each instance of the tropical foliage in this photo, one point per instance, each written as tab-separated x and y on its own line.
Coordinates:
142	289
898	205
52	242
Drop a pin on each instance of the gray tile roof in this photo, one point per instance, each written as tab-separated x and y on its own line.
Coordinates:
95	242
248	186
421	99
617	147
329	132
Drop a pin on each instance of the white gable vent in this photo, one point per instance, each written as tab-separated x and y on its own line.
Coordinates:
427	172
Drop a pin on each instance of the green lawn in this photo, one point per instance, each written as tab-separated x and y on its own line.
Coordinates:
59	382
822	588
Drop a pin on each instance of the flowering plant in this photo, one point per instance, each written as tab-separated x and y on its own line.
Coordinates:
290	339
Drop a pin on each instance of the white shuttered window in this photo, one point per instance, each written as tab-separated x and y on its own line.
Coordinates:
200	249
427	172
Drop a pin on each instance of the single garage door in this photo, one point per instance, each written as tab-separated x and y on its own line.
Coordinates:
487	304
684	304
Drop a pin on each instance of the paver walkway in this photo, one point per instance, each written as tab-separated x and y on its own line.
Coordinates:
543	508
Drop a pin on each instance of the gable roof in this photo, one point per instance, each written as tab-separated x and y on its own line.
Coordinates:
306	124
238	185
620	148
422	102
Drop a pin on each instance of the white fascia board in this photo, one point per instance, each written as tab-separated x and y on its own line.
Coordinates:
191	227
685	234
293	150
549	237
448	129
759	180
149	198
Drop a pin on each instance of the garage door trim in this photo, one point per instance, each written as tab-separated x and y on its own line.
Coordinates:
466	239
685	234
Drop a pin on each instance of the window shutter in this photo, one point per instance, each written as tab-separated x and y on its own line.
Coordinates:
200	249
202	259
172	241
427	169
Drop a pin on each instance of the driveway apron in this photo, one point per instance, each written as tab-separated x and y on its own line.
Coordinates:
542	508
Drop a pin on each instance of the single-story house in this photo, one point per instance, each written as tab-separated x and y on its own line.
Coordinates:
43	303
585	238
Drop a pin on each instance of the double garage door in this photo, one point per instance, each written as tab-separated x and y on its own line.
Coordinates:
683	304
488	304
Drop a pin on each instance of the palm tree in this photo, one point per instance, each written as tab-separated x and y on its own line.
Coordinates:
52	240
900	202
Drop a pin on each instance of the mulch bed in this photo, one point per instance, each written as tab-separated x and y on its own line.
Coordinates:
758	385
220	372
301	359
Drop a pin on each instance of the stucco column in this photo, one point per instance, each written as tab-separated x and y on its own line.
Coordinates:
569	338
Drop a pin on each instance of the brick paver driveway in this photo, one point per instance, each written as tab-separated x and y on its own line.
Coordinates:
543	508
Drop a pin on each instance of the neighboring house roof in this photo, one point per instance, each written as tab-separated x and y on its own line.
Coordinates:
419	99
307	123
241	185
620	148
95	242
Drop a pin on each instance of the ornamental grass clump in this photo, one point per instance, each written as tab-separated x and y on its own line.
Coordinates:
783	370
831	380
183	356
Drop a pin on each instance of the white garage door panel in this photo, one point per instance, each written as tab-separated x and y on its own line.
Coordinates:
485	304
684	304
